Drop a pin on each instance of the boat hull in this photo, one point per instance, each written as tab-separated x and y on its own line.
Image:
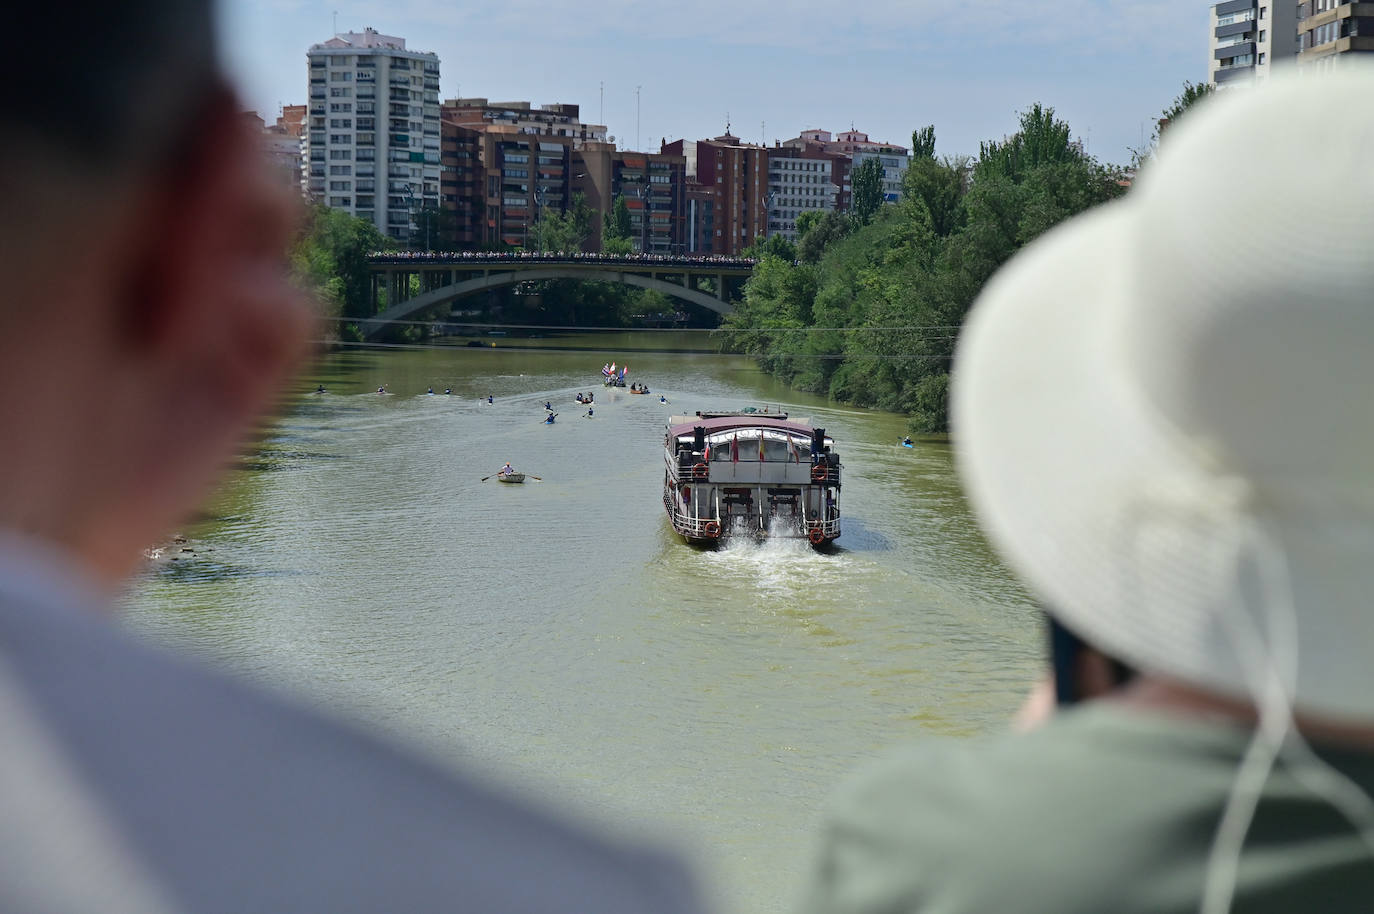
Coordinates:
511	478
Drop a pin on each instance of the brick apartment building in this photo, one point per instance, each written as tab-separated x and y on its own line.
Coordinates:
726	194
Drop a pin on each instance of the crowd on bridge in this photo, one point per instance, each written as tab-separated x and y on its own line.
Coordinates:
563	257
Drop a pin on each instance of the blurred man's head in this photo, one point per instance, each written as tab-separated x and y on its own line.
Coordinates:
145	319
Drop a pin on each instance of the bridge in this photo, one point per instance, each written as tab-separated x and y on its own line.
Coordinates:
450	276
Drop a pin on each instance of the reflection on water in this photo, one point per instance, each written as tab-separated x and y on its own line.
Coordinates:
558	632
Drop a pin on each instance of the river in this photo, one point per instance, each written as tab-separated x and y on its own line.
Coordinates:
557	637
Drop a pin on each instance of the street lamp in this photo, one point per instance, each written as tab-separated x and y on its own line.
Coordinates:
409	194
644	214
538	207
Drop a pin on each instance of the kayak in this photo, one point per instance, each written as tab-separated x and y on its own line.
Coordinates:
906	444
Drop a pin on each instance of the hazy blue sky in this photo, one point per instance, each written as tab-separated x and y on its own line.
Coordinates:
967	66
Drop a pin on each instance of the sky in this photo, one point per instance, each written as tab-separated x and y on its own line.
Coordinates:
770	69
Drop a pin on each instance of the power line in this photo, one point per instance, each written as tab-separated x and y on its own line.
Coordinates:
490	325
791	355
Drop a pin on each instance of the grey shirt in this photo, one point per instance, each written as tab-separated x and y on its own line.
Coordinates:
1104	809
131	780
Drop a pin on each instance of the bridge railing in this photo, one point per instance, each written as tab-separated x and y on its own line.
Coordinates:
527	258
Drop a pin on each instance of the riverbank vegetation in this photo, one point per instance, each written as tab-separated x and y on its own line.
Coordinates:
868	309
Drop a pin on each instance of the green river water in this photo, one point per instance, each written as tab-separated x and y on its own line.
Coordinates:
557	637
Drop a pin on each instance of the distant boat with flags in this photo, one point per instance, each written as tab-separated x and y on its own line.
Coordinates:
613	378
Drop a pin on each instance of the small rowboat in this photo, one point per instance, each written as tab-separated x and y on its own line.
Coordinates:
511	477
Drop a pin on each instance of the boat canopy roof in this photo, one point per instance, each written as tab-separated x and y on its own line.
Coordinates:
683	426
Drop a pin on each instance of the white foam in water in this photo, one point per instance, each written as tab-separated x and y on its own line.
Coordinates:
778	566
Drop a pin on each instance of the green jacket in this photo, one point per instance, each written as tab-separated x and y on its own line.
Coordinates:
1104	809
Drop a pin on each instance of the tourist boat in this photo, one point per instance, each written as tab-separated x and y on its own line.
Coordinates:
511	477
753	473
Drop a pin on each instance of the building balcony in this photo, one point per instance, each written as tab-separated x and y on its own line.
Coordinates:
1240	49
1227	74
1234	6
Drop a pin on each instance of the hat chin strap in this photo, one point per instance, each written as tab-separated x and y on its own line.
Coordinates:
1269	661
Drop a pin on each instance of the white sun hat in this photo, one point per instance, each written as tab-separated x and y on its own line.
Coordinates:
1164	409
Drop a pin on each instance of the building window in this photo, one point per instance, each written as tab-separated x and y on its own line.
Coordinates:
341	169
1260	59
340	91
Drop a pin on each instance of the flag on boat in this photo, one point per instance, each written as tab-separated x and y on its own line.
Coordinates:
762	457
792	451
706	454
734	448
606	370
624	370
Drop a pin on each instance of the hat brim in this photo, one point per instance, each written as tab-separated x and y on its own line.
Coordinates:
1101	508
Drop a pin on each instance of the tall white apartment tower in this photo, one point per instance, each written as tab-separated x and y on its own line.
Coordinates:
372	130
1248	37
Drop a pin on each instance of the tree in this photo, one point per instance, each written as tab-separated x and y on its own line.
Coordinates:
1192	94
807	220
563	232
825	229
870	315
616	228
1042	139
867	181
329	256
436	227
923	143
772	246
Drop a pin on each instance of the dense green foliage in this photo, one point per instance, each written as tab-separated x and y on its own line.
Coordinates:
870	313
563	232
867	181
329	259
615	228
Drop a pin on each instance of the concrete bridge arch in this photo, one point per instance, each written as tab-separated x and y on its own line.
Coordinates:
499	278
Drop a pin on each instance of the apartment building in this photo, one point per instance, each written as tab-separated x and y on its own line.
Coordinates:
732	177
462	180
505	163
803	176
557	120
1329	31
373	133
1248	38
653	185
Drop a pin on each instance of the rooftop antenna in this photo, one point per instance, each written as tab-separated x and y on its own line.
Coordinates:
637	143
727	123
336	22
763	133
602	118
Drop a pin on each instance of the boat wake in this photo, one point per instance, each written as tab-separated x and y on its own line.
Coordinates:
784	567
